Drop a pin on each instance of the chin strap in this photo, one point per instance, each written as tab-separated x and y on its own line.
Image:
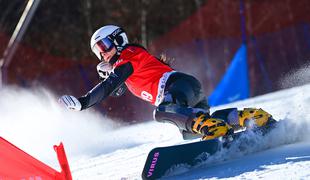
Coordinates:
114	58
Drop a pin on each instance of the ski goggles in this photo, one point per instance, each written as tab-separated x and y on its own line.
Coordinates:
102	46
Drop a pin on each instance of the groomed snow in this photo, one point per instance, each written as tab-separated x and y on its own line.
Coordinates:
288	158
98	149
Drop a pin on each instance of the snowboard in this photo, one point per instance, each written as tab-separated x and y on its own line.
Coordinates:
161	159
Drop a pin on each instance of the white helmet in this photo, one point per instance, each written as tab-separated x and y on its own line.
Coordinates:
106	37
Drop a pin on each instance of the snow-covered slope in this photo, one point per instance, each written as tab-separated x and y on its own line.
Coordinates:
97	149
289	157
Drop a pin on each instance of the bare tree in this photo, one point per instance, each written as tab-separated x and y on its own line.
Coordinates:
144	22
87	9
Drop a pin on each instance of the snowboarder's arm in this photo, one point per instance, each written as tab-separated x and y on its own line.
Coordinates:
105	88
119	91
104	70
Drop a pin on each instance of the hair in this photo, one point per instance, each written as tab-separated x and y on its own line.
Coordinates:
166	60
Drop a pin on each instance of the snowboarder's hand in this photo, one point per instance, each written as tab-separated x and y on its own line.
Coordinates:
70	102
104	70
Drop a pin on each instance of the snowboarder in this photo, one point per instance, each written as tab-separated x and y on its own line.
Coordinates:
178	97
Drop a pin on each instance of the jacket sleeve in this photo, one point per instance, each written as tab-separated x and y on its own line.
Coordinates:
105	88
119	91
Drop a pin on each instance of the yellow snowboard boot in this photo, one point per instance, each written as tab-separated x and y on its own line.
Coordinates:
210	128
249	117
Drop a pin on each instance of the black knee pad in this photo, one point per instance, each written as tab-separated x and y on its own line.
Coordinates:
174	114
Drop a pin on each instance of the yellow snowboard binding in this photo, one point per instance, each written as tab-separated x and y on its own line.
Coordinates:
225	123
210	128
249	117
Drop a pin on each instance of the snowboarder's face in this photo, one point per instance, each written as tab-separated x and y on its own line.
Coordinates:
106	56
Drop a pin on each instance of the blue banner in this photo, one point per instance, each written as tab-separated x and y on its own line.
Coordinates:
235	83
